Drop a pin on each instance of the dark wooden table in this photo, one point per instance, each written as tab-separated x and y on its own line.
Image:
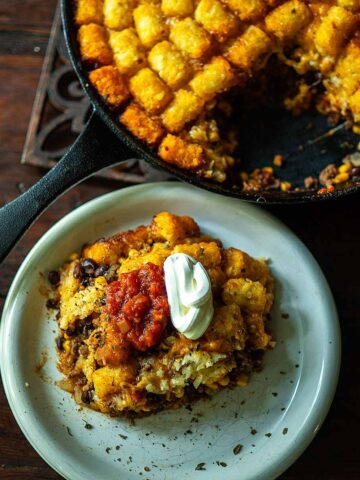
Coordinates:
330	230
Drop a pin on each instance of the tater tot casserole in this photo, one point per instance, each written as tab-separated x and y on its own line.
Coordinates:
117	347
168	69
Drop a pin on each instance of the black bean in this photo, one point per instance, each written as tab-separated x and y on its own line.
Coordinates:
70	331
101	270
103	301
355	172
59	343
85	282
52	303
78	271
87	396
54	277
190	392
88	266
87	330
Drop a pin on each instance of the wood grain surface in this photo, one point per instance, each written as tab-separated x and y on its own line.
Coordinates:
331	231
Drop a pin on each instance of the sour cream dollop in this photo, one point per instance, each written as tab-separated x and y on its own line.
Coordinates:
189	294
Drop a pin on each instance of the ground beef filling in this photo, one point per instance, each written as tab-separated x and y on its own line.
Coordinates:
138	314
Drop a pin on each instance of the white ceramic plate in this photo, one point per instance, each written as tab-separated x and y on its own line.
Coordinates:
274	418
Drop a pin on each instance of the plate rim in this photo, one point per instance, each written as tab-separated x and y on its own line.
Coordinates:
326	391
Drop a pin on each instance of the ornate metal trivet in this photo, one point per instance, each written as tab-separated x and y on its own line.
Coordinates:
60	112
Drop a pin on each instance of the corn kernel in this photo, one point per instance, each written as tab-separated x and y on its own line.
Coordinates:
179	394
356	129
345	168
211	386
341	177
285	186
100	282
278	160
66	346
268	170
224	381
242	380
324	190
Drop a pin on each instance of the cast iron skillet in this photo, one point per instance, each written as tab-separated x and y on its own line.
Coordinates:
105	142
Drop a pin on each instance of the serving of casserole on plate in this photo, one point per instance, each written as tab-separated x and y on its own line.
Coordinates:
247	433
117	347
173	71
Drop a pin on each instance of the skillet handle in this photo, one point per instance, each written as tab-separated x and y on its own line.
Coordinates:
96	148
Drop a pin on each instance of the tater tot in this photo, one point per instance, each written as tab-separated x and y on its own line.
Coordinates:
208	253
150	24
245	293
286	21
128	53
142	125
177	8
150	91
166	227
89	11
94	47
346	75
110	249
110	85
216	19
258	338
191	38
169	63
189	156
118	14
109	380
250	50
216	76
248	10
334	31
238	264
186	106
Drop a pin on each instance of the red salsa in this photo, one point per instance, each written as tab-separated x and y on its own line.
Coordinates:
138	313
